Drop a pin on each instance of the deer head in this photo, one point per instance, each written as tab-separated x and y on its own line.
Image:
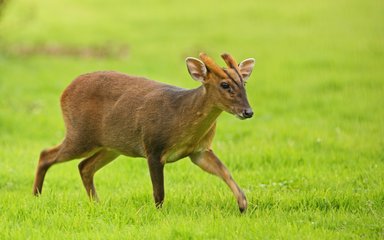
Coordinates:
225	86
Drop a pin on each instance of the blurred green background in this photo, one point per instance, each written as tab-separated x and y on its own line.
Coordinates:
311	160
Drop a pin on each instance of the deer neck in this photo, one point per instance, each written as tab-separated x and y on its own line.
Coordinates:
202	112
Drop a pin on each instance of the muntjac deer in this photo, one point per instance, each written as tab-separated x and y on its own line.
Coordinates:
107	114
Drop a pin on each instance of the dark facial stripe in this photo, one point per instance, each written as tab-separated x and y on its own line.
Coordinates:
241	78
234	68
230	77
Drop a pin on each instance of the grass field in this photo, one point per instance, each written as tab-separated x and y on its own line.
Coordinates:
311	160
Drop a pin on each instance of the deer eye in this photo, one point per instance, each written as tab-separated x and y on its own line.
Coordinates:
224	85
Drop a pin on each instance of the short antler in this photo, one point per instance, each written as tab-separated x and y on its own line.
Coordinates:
211	65
231	63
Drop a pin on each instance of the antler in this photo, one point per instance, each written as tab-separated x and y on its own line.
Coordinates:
231	63
211	65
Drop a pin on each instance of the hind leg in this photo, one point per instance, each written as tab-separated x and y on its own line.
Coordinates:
47	158
61	153
89	167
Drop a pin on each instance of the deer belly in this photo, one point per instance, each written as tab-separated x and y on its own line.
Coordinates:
177	153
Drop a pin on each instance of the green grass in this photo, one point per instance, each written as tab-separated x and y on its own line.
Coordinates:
311	161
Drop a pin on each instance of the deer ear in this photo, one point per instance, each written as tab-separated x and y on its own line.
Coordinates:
196	69
246	68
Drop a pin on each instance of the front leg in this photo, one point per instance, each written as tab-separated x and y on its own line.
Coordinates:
156	170
208	161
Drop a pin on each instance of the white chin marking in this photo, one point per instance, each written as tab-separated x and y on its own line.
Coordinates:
240	116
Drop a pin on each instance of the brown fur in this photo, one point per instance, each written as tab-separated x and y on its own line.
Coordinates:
107	114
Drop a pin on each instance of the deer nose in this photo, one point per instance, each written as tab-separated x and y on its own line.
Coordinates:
247	113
